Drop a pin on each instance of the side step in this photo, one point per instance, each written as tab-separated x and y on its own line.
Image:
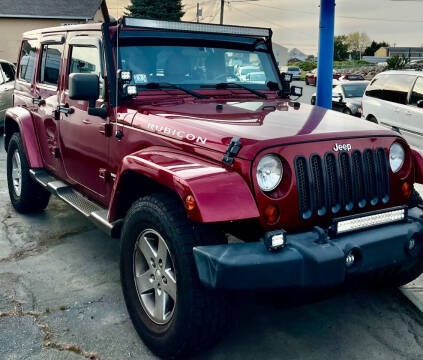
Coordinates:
91	210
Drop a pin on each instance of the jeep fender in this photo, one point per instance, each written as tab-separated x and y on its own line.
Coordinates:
418	164
18	117
220	193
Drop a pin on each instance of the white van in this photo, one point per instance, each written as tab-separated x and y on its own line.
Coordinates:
395	99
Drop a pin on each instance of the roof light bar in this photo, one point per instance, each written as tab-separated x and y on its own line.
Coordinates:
196	27
370	221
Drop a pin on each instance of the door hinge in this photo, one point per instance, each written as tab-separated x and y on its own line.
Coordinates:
232	150
106	129
104	174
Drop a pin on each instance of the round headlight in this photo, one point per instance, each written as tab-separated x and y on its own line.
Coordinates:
396	157
269	172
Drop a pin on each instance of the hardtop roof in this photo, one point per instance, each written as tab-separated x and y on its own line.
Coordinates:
59	29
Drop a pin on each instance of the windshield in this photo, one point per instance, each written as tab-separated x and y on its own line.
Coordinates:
354	90
195	66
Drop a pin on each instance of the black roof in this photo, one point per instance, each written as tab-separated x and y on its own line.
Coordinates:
50	9
405	49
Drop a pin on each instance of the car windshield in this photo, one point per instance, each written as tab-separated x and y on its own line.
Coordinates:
354	90
193	67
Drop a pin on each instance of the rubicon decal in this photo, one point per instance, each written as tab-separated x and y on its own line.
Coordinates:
340	147
180	134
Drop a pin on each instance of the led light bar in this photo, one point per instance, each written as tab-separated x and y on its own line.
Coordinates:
364	222
196	27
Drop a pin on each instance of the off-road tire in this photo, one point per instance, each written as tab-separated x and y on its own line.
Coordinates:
33	197
200	316
306	81
396	276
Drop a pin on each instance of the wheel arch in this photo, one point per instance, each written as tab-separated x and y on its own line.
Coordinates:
372	118
19	120
220	193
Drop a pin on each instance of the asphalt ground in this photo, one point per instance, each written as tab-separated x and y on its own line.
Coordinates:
60	298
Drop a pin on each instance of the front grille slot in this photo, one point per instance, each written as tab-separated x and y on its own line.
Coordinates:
341	181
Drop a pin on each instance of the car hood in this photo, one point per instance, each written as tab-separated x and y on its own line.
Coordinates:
258	124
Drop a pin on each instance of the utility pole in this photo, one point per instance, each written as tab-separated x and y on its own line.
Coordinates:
222	6
198	12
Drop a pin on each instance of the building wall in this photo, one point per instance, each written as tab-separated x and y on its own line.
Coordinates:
11	31
381	52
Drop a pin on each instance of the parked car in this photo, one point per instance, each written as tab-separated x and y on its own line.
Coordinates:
211	185
294	70
346	97
7	83
395	99
243	71
352	77
311	77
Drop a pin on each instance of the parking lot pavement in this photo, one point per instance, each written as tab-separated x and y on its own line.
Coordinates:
60	299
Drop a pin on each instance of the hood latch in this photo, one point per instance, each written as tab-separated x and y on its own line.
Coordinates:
232	150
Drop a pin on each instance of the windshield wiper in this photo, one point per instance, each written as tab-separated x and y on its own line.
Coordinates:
164	85
230	85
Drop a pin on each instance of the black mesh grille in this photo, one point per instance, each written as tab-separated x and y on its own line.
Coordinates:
341	182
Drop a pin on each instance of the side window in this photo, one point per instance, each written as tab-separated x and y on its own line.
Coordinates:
417	93
375	88
86	60
27	60
1	79
397	87
8	72
50	64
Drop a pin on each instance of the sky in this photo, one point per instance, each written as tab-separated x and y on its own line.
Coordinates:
296	22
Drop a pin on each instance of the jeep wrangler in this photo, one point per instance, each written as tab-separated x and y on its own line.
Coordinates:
184	141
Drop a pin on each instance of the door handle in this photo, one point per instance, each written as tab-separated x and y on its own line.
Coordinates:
65	109
408	112
38	101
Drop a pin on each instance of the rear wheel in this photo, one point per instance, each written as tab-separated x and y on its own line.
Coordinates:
25	194
347	111
172	311
372	119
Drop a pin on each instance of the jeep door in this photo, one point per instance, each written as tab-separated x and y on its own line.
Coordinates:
414	116
47	82
83	141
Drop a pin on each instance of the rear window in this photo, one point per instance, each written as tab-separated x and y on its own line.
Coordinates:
27	60
393	88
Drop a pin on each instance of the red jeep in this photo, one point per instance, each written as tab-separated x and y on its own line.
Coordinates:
211	182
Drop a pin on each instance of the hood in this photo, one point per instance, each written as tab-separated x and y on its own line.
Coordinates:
259	124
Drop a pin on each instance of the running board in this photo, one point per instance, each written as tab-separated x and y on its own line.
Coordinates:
91	210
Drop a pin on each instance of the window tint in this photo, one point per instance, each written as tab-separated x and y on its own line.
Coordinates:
27	60
394	88
8	71
417	93
397	87
86	60
50	64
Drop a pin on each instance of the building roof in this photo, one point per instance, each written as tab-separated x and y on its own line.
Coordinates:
50	9
405	49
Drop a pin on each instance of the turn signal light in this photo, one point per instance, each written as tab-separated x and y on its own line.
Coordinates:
406	189
190	202
271	213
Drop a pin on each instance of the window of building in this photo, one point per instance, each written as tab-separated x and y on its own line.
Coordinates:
417	93
50	64
27	60
86	60
8	71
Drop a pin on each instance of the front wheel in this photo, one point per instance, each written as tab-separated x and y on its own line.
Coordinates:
347	111
25	194
171	310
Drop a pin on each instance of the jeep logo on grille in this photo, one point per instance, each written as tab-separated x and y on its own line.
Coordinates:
340	147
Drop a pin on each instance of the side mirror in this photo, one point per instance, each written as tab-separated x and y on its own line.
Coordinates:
87	87
84	87
420	103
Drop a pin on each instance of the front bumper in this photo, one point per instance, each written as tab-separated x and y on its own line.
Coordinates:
307	261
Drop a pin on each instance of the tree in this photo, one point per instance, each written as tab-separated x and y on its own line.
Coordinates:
340	48
156	9
397	62
357	42
374	46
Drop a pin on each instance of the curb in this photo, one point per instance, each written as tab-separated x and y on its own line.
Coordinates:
414	295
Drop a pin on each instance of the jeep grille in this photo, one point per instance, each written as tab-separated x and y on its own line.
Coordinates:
341	181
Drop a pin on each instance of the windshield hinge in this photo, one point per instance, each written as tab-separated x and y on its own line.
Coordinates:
232	150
